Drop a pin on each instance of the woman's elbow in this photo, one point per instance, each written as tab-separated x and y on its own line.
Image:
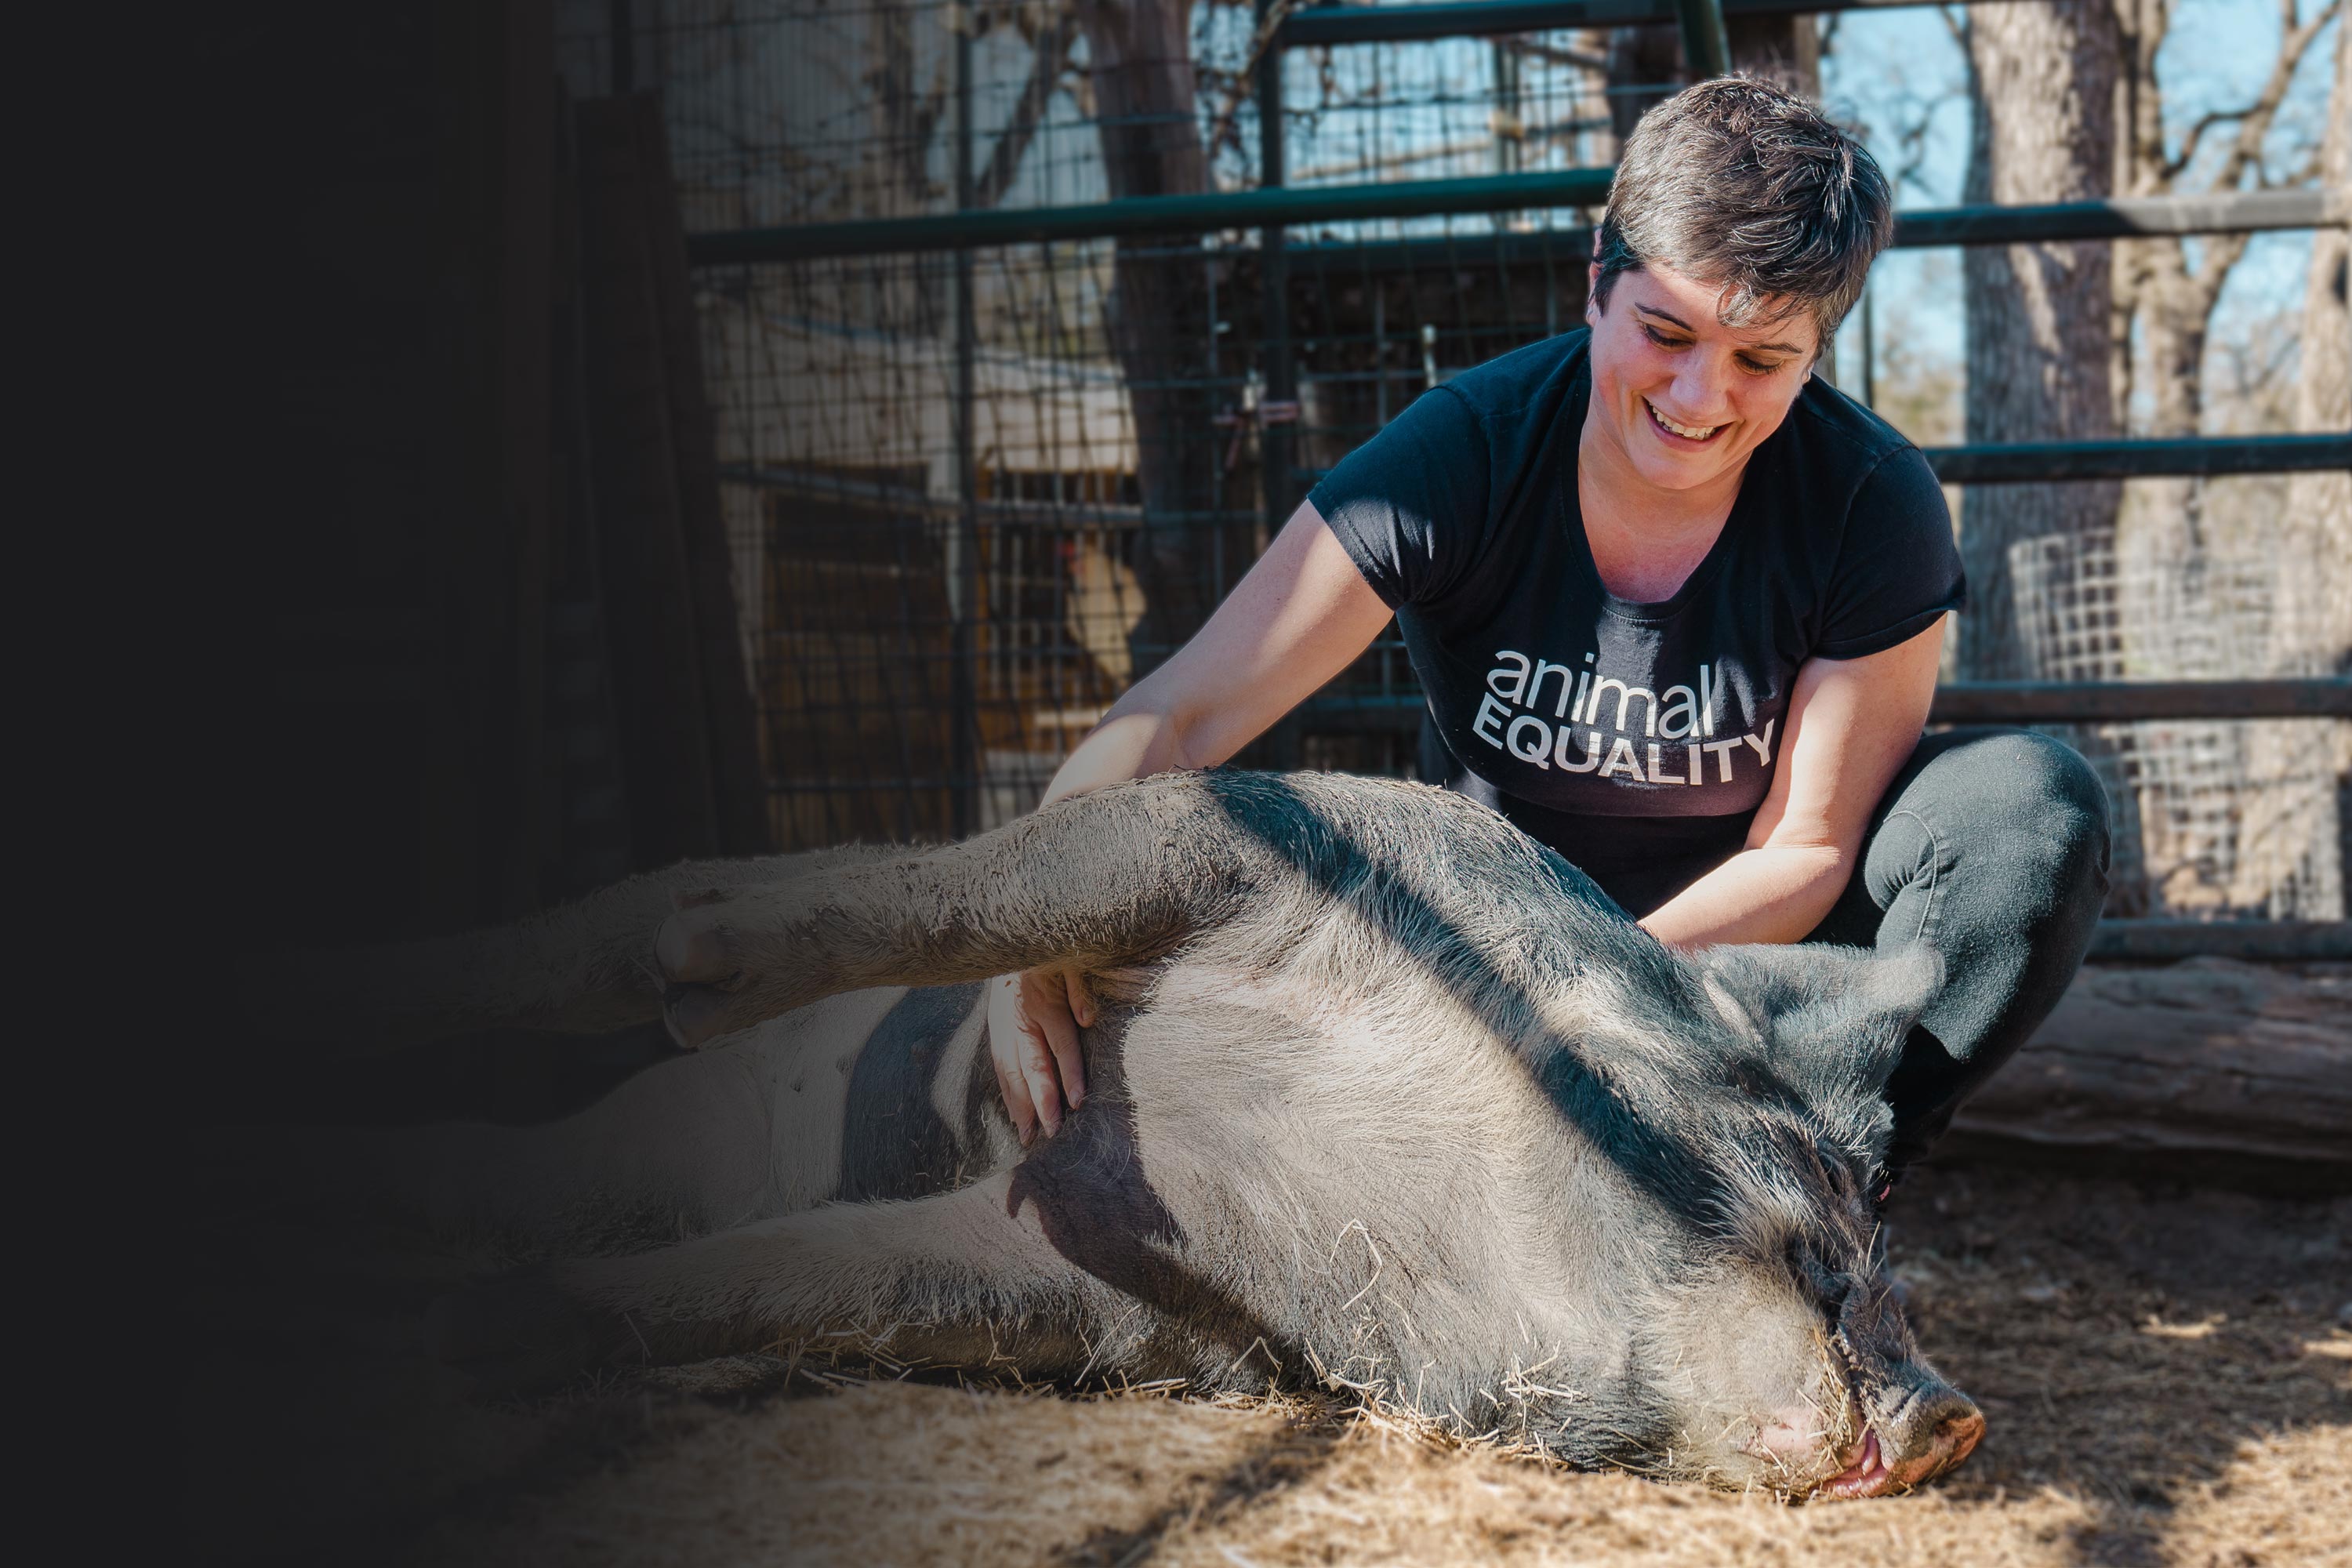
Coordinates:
1818	864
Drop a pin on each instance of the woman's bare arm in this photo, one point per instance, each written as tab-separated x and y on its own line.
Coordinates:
1852	725
1297	618
1300	615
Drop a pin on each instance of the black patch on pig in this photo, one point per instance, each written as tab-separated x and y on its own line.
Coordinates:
894	1143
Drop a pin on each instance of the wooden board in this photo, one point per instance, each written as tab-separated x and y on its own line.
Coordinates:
2204	1065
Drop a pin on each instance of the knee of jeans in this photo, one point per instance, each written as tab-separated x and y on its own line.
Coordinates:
2050	798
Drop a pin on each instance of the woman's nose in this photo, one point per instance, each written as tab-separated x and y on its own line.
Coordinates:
1703	390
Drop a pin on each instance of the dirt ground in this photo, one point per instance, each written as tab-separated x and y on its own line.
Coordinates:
2167	1377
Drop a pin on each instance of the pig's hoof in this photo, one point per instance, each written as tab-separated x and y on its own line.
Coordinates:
697	1014
702	969
698	946
523	1333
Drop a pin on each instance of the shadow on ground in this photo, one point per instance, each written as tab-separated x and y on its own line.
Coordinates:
2168	1377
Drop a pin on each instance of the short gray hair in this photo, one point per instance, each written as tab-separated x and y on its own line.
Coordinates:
1737	183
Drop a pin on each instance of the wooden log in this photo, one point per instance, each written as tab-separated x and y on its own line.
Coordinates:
2208	1068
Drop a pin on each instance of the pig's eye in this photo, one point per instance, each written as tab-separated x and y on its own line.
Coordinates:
1826	1285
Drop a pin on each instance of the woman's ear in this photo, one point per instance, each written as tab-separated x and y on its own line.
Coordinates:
1592	292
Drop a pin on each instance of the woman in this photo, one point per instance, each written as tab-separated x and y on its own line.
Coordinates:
1677	607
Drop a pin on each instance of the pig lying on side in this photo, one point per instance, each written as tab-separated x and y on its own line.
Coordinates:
1381	1092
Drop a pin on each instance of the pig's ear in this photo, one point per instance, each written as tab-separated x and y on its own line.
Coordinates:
1826	1019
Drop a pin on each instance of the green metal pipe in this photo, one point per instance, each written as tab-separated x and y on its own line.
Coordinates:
2182	456
2035	462
2241	212
1983	702
2232	211
1203	214
1707	52
1324	26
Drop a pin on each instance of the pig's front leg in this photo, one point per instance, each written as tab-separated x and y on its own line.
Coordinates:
1118	876
585	967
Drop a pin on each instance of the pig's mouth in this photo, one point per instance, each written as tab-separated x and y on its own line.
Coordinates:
1871	1471
1866	1474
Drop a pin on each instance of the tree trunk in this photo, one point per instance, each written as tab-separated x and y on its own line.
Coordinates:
2043	85
1140	59
2206	1066
2041	558
2292	849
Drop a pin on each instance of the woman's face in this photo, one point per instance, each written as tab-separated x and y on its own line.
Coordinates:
1684	397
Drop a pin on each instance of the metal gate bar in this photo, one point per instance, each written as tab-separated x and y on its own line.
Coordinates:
2001	701
2118	217
1312	26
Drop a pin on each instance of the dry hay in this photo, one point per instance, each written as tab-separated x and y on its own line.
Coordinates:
2167	1380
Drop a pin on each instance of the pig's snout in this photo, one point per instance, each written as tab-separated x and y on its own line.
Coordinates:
1951	1429
1928	1436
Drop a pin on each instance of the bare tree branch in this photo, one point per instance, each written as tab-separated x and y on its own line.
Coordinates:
2222	252
2155	281
2252	130
2143	128
2172	168
1223	130
1054	37
1954	25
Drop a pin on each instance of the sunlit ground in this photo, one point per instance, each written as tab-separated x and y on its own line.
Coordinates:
2167	1379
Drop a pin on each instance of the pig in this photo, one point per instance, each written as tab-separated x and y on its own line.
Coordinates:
1381	1095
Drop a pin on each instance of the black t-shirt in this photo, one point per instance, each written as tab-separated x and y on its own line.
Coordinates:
1637	740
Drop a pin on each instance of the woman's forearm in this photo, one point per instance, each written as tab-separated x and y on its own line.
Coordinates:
1851	724
1775	892
1134	740
1292	623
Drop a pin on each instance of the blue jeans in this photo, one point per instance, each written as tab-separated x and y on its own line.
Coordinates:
1991	845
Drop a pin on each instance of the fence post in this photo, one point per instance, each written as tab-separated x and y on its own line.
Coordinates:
964	543
1705	54
1278	401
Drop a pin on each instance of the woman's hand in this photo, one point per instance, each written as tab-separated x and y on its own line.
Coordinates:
1297	618
1852	725
1033	1019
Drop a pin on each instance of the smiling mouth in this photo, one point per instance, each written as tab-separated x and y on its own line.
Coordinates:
1681	432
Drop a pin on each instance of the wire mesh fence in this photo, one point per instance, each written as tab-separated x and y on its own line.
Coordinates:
973	496
2222	818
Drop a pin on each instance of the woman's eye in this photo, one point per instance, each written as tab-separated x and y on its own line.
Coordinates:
1662	340
1753	368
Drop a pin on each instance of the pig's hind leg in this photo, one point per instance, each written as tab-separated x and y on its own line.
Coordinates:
873	1093
963	1280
